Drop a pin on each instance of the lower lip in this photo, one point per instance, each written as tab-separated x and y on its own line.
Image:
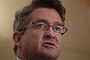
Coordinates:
48	45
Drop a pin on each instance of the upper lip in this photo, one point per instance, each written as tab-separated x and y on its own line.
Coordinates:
50	43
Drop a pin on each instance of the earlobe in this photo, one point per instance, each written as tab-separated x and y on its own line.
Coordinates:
17	38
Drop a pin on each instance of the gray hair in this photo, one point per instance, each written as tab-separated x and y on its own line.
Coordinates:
23	17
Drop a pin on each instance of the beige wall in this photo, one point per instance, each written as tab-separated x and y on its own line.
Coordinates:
89	29
75	43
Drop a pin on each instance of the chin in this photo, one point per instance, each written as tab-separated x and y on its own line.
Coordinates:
49	54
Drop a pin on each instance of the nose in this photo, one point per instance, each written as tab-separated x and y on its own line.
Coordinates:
49	34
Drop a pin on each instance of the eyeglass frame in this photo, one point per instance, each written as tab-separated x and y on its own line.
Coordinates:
32	24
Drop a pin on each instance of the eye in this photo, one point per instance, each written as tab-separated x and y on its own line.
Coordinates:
40	25
58	29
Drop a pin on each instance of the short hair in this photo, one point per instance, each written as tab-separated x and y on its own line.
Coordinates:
23	17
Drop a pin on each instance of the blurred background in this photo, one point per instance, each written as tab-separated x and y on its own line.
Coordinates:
75	43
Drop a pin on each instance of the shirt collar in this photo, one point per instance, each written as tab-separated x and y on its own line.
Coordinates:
18	58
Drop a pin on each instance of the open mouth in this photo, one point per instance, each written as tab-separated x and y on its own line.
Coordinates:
49	44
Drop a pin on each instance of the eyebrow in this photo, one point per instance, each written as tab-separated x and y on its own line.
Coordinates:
42	20
45	21
57	23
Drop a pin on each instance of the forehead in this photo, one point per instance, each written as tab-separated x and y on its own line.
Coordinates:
48	14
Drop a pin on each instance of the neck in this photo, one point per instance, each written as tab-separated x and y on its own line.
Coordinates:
22	57
42	58
20	54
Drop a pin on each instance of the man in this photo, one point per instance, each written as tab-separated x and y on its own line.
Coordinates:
38	30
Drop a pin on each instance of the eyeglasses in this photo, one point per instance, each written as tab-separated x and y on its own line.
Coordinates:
44	27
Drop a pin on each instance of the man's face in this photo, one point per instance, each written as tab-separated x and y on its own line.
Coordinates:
38	43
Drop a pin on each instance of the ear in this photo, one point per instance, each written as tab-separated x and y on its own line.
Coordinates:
17	38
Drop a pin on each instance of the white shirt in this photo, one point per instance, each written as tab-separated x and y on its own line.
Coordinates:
18	58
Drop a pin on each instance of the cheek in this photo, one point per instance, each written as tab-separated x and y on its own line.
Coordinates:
59	40
31	42
32	39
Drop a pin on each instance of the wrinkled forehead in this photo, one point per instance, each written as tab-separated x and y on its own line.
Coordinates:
48	14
